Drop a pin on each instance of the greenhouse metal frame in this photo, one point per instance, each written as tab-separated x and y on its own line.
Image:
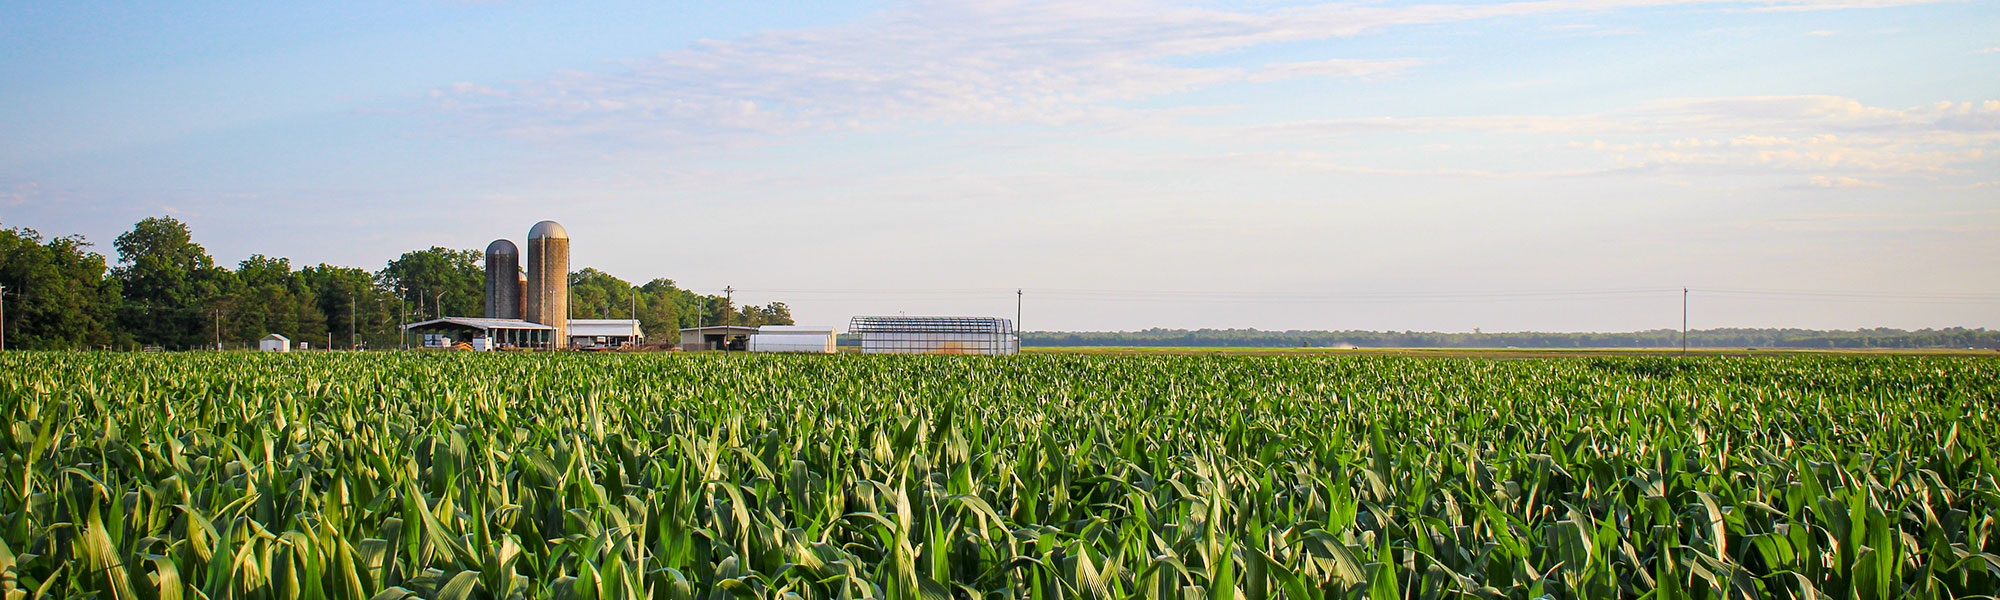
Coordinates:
935	335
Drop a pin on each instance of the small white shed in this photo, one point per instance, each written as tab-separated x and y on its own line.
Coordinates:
792	338
275	343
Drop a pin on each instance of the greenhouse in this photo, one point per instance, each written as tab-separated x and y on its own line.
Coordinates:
935	335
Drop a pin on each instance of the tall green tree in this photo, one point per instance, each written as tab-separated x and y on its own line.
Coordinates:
443	282
658	312
775	313
56	295
666	308
173	290
269	298
357	311
595	294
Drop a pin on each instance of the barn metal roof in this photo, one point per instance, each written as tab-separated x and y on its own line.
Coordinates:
481	324
597	327
794	330
720	329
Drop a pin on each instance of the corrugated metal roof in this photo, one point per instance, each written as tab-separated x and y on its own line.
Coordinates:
597	327
479	323
794	330
720	329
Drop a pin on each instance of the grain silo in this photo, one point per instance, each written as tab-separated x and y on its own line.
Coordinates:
548	278
503	280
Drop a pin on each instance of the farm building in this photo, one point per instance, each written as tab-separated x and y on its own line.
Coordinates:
935	335
275	343
792	338
716	337
591	334
483	334
522	311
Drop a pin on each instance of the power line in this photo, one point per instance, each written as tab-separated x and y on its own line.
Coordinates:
1857	295
1076	294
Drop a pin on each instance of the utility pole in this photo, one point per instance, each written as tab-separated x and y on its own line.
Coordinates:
1684	321
1017	313
437	303
3	316
353	333
700	324
402	337
728	302
218	330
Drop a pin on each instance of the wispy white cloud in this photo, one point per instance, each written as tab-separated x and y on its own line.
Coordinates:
1840	181
1054	64
1994	50
949	61
18	194
1693	115
1723	135
1338	67
1802	5
1972	186
1589	30
1328	163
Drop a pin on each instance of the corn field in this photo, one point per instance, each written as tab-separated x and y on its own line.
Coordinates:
433	475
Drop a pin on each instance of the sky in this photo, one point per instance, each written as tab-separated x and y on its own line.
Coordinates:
1549	165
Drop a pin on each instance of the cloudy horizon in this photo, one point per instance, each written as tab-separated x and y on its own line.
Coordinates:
1551	165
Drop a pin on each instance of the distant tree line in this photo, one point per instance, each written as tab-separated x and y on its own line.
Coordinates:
1955	337
166	291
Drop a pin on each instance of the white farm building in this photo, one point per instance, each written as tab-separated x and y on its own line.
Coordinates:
593	334
275	343
792	338
935	335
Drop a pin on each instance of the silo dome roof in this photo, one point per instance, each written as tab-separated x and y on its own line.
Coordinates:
548	229
502	247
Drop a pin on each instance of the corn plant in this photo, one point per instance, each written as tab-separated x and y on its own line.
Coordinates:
1044	477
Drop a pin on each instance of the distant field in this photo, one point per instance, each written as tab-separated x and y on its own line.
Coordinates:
1510	352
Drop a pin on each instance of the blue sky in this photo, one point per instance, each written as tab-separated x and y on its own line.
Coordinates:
1549	165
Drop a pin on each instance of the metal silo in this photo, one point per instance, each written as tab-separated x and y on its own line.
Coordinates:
503	283
548	279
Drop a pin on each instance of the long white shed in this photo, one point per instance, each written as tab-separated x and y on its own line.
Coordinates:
792	338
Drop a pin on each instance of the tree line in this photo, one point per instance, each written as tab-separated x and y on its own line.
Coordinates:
1955	337
166	291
